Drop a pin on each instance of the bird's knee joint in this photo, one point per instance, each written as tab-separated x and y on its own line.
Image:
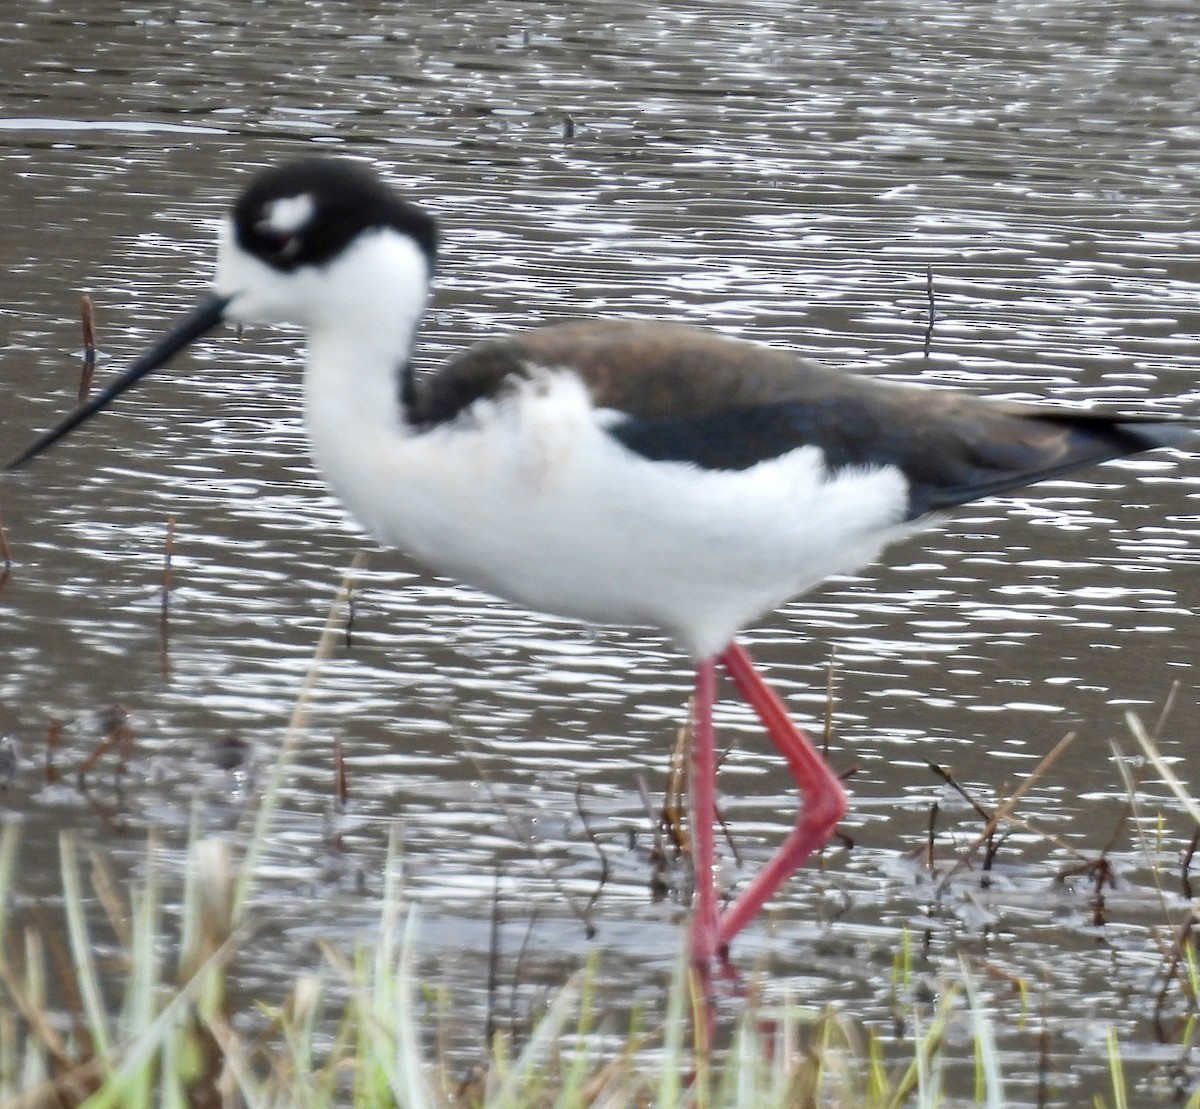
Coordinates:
825	810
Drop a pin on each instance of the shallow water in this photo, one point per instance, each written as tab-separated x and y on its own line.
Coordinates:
784	172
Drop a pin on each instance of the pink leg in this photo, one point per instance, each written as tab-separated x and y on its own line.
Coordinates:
704	809
823	800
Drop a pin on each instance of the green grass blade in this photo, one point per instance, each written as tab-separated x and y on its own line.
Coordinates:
987	1060
81	949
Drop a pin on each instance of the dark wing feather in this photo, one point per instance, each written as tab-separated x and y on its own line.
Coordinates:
945	461
685	394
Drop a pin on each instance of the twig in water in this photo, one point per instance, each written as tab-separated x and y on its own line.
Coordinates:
932	309
671	817
958	788
993	845
1100	867
660	888
117	735
5	558
88	318
1004	812
595	842
1185	930
1133	781
722	758
168	577
521	836
5	549
164	612
1188	855
847	841
829	702
341	787
518	975
493	964
1044	1056
1170	971
679	783
1102	875
729	840
826	737
53	742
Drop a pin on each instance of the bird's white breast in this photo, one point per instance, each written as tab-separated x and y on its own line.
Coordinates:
529	498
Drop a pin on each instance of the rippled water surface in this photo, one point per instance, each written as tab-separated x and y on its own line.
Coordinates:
783	172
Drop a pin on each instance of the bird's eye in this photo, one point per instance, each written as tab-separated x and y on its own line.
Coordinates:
275	243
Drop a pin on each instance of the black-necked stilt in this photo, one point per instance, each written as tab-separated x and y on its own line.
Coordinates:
616	472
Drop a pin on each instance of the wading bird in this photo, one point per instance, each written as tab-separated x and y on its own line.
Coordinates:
615	472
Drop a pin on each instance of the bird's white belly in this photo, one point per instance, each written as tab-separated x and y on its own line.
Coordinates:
531	499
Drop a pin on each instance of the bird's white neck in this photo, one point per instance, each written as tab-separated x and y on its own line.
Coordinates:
360	330
353	380
352	402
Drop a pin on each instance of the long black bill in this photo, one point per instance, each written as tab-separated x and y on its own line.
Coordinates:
203	319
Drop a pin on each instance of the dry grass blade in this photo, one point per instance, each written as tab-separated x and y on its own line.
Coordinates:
296	726
1159	763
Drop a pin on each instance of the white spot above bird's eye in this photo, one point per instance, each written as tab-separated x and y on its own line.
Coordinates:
288	215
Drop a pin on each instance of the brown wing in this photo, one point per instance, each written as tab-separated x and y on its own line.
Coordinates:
647	370
686	394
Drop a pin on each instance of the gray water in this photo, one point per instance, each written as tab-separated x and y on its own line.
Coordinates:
782	172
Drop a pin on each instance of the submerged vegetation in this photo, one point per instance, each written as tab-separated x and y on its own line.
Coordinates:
127	994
